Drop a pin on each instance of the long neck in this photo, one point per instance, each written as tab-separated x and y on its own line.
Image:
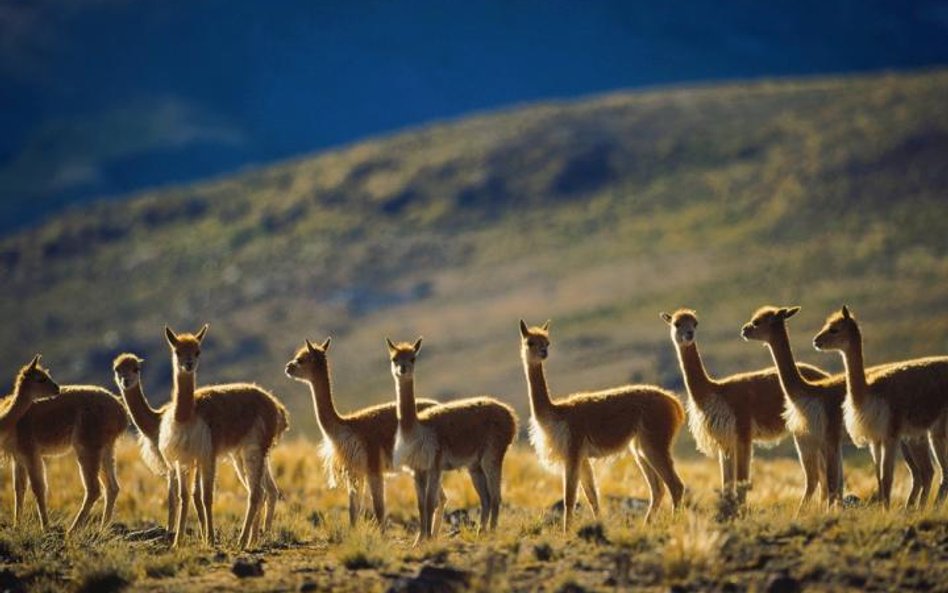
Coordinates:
696	379
320	384
540	402
183	396
407	414
856	385
146	419
790	379
18	407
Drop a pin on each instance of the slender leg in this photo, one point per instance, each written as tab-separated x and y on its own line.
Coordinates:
377	490
421	484
355	485
110	482
208	476
494	471
939	445
726	460
184	481
198	503
744	454
655	487
439	514
659	457
19	490
570	482
432	496
172	498
89	464
479	479
588	481
875	449
889	452
36	470
255	461
272	496
811	473
834	474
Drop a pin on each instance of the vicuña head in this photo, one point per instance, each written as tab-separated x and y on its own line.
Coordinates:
309	359
185	348
840	332
767	322
534	342
34	382
402	356
128	370
684	326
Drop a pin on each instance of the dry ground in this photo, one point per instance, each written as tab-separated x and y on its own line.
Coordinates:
311	549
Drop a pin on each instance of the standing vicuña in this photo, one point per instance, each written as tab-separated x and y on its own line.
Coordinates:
728	415
127	369
569	431
84	419
889	403
472	433
359	445
814	415
238	418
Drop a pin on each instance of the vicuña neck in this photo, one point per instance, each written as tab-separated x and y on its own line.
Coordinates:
696	378
18	407
856	386
407	414
183	396
540	402
146	419
790	379
320	384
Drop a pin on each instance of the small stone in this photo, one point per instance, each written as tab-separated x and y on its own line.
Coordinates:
308	587
246	567
783	584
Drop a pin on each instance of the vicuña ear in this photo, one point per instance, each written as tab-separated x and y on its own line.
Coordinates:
417	345
788	312
35	362
546	326
171	337
846	314
391	346
201	333
310	347
524	330
326	343
665	317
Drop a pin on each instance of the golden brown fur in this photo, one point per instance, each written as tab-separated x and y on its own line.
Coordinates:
814	414
84	419
357	445
240	419
887	404
472	433
728	415
569	431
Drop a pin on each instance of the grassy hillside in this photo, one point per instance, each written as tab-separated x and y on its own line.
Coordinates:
598	214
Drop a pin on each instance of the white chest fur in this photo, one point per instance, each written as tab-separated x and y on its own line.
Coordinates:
184	441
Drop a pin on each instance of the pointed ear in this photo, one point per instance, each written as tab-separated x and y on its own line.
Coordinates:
171	337
546	326
310	347
201	333
788	312
846	314
524	330
391	346
665	317
417	345
138	359
35	362
326	343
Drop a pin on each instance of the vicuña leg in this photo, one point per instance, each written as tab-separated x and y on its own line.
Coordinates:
939	444
198	503
19	490
479	479
208	473
184	482
655	487
432	497
255	462
110	484
36	470
570	483
377	490
172	499
727	461
809	459
421	486
272	494
494	469
833	464
887	469
659	457
355	486
588	481
89	464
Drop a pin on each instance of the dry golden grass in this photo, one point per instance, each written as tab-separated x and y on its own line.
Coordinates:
859	549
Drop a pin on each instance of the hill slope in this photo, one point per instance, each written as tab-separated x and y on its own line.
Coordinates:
598	214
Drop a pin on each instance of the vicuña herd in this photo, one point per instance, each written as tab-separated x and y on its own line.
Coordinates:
898	406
